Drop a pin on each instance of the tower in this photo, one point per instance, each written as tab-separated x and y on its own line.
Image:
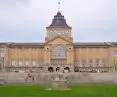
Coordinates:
58	27
58	46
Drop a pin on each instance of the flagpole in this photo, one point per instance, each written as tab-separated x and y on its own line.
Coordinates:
59	5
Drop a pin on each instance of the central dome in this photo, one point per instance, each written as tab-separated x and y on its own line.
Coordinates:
59	21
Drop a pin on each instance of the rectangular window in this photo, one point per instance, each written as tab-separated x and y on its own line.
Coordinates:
20	63
97	61
1	49
34	62
76	62
103	62
13	63
1	60
1	52
115	61
90	62
83	62
27	62
115	52
1	55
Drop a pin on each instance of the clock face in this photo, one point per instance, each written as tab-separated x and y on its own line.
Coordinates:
55	33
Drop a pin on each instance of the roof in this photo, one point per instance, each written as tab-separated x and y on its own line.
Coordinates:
92	44
59	21
79	44
58	37
11	44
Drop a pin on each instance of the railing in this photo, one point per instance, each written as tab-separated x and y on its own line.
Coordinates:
77	68
56	64
63	64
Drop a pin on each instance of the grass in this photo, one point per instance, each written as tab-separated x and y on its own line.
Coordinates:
77	91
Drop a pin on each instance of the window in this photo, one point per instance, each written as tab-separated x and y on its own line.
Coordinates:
59	52
76	62
1	60
90	62
115	61
34	62
27	63
1	52
13	63
115	53
103	62
1	49
1	55
58	61
97	62
20	63
83	62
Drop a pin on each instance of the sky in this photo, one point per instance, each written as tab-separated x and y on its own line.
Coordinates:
26	20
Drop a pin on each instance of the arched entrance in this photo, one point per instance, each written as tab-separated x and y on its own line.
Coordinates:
66	69
57	69
50	69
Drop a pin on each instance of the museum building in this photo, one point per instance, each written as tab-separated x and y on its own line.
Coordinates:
58	53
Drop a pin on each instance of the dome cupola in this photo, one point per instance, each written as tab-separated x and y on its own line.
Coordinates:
59	21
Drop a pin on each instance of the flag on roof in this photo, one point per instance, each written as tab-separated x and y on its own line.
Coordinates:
59	2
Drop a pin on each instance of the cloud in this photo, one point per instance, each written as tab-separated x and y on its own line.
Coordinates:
13	3
28	19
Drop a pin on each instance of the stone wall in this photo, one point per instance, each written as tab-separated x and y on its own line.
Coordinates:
72	78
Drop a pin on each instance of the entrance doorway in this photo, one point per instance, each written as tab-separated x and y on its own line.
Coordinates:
50	69
57	69
66	69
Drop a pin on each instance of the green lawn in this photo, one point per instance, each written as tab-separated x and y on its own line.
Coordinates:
77	91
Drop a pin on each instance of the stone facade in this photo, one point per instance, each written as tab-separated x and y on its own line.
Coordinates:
58	53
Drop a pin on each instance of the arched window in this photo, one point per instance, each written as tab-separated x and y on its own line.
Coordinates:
27	62
59	52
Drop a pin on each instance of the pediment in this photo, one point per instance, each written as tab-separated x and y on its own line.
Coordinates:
58	40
